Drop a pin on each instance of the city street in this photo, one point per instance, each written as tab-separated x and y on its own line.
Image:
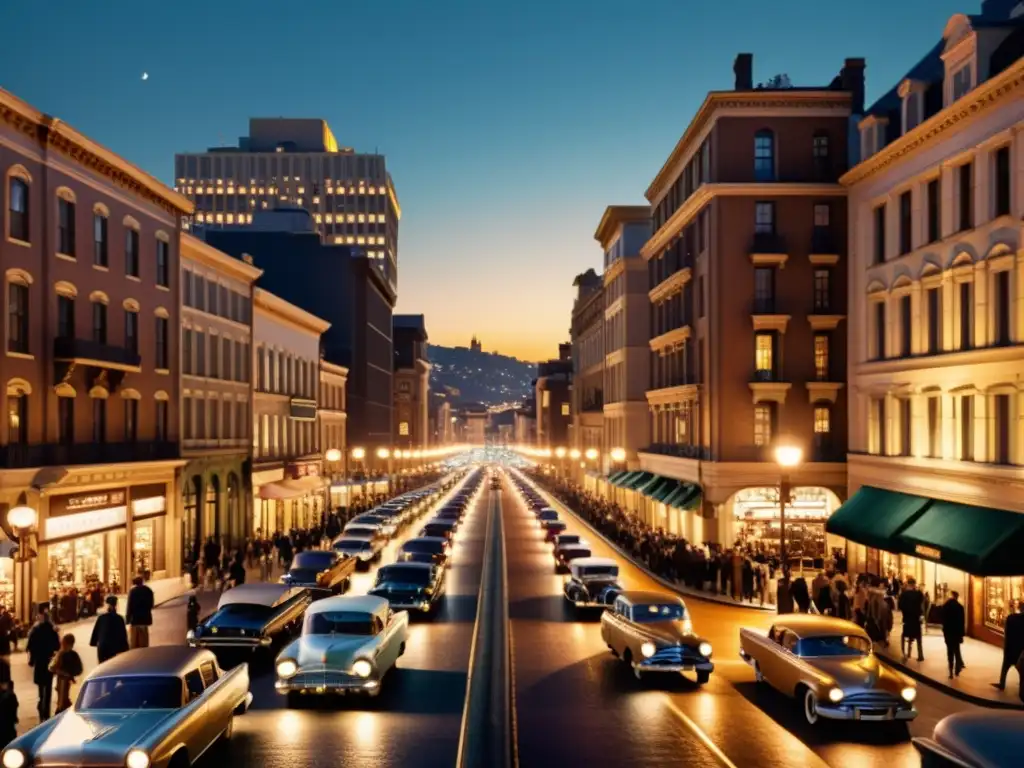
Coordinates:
577	703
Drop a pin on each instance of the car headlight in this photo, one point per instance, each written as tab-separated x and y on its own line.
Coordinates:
14	758
137	759
190	635
362	668
836	695
687	627
705	649
286	668
909	693
648	650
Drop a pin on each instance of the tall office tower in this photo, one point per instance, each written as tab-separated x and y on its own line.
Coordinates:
297	162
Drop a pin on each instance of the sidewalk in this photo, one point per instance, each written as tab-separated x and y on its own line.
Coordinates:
974	683
169	627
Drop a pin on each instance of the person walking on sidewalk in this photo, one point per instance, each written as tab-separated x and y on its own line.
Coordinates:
43	642
8	712
109	634
66	666
1013	646
953	621
139	614
911	605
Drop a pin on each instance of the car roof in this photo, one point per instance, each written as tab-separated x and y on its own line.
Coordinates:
430	539
647	597
257	593
809	625
416	566
308	554
355	603
440	521
593	562
156	660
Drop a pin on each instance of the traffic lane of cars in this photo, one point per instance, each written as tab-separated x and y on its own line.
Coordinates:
576	705
770	721
416	718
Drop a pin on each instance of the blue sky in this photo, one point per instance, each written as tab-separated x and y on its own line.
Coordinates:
508	126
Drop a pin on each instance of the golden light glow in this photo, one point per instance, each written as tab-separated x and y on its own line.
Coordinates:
591	454
788	456
358	454
560	452
383	453
333	454
22	516
574	454
618	454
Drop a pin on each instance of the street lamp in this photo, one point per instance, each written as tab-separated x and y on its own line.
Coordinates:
591	454
22	519
618	455
385	455
788	456
359	456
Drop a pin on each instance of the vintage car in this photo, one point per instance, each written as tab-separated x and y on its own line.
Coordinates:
547	514
566	538
455	515
320	570
410	586
495	482
366	530
146	708
347	645
829	666
651	632
568	553
365	549
252	616
979	739
553	529
424	549
383	523
593	582
439	528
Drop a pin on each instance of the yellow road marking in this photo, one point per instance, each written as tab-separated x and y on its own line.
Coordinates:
695	729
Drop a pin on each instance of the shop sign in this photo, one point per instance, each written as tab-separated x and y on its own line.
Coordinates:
69	526
295	471
154	505
69	505
931	552
302	409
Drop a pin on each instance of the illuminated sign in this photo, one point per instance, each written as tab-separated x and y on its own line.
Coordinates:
68	526
155	505
103	499
929	552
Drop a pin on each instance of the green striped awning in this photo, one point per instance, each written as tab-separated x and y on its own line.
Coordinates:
614	477
686	496
637	480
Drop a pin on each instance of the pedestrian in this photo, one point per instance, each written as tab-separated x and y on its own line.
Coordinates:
139	614
911	605
953	622
6	630
109	634
8	712
801	594
43	642
66	666
192	613
1013	644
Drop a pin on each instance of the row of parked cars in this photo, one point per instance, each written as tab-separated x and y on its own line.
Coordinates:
165	706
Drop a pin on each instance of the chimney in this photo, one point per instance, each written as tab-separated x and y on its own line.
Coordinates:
744	70
852	78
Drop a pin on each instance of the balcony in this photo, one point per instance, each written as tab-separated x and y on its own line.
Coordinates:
680	451
764	305
54	454
823	243
768	244
96	355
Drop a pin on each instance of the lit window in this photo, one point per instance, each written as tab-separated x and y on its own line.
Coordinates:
381	218
329	218
821	357
351	218
199	217
330	190
316	200
351	190
287	178
372	218
231	218
231	190
209	190
301	190
220	218
361	240
373	190
362	218
380	239
403	428
762	425
261	191
263	205
242	191
337	239
252	202
381	191
565	409
188	190
350	240
763	353
220	190
298	201
317	217
821	420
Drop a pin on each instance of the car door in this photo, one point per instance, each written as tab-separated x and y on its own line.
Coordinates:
388	641
771	657
201	731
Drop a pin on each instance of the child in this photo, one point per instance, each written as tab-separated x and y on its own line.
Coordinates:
66	666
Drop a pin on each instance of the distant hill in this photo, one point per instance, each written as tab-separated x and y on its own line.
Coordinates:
481	377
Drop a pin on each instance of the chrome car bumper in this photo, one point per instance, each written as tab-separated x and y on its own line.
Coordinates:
412	605
321	683
584	603
704	666
230	643
833	712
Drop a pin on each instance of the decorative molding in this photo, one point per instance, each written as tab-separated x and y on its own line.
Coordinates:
777	323
670	285
673	337
770	391
823	259
823	391
825	322
670	395
769	259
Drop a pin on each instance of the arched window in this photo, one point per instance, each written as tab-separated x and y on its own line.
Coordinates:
100	238
99	316
18	209
18	282
131	247
66	222
764	155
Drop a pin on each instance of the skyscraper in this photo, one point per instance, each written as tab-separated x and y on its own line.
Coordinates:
297	162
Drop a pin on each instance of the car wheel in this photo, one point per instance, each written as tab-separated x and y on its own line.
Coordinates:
810	707
703	677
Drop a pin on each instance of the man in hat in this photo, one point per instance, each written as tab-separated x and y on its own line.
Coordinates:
140	612
109	633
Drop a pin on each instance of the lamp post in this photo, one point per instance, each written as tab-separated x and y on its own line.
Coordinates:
22	519
385	455
359	456
788	457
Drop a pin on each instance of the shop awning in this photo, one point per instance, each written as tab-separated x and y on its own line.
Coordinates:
637	480
614	477
625	478
873	517
686	496
307	483
661	488
281	491
981	541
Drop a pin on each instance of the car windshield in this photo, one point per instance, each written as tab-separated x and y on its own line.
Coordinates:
352	545
401	574
338	623
646	614
599	571
361	530
572	554
314	559
130	692
834	645
370	520
549	514
437	529
569	538
430	547
243	612
303	575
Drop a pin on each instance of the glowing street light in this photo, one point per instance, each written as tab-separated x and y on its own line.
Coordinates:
383	453
618	455
788	456
358	454
333	455
560	452
591	454
574	454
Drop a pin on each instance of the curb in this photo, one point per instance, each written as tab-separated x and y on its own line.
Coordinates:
949	690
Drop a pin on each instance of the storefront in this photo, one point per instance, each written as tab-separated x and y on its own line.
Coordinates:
268	504
756	521
292	497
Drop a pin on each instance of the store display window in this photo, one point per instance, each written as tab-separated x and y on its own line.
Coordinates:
1003	596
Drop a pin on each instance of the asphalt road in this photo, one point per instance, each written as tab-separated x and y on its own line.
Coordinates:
578	705
417	718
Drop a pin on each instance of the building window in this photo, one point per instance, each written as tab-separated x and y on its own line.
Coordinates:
966	317
880	234
565	409
822	420
100	246
1002	190
821	362
131	331
820	150
18	210
403	428
200	353
906	326
912	106
822	290
186	290
934	320
934	211
879	330
822	216
99	420
17	418
1001	414
161	421
99	322
966	427
905	426
17	317
764	356
131	420
131	252
215	372
764	290
186	351
1001	308
215	426
906	223
878	413
962	82
186	418
764	155
935	427
764	218
163	274
200	406
965	175
763	417
65	227
65	420
162	355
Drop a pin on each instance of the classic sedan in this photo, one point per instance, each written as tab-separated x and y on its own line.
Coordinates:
145	708
593	583
439	528
320	570
566	554
365	549
383	523
652	632
566	538
410	586
348	645
424	549
252	616
547	514
829	666
981	739
366	530
553	529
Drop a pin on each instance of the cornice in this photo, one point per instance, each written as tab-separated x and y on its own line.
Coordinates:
770	391
670	395
194	249
823	391
617	268
279	309
614	217
670	285
675	336
967	109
